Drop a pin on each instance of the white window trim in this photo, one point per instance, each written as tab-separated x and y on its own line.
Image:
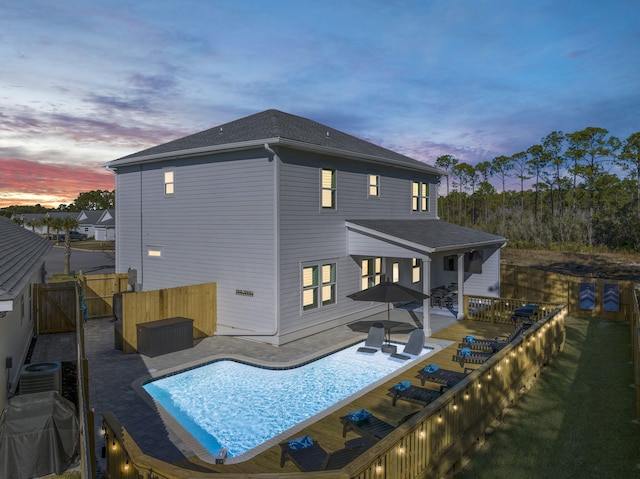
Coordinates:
320	302
169	185
420	197
333	189
375	185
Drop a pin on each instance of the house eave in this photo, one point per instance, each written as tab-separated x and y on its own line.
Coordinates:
275	141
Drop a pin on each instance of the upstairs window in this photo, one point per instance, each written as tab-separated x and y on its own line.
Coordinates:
420	196
371	272
374	185
328	190
168	183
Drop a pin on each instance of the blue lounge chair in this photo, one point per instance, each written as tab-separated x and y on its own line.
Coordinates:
312	457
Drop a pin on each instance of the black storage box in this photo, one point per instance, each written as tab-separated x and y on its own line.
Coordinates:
164	336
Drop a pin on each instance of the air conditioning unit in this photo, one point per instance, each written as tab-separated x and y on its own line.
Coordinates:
40	377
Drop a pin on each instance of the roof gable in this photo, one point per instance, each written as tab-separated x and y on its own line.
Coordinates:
274	126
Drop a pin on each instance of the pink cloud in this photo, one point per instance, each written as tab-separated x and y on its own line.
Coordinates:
22	180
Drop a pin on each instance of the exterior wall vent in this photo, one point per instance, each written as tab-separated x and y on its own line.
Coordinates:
40	377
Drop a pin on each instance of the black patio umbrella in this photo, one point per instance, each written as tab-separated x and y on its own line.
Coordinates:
388	292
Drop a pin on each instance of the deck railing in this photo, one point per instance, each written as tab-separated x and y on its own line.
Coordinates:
500	310
430	444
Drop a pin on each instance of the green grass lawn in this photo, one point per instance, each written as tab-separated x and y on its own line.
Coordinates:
577	421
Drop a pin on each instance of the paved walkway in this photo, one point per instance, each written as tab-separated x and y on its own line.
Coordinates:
114	375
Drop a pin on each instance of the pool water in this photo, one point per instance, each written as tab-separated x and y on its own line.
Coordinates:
228	404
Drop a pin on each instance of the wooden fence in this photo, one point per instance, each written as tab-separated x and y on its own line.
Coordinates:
197	302
54	308
98	290
635	346
429	445
537	285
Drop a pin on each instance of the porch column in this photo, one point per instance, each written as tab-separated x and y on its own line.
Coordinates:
426	289
460	286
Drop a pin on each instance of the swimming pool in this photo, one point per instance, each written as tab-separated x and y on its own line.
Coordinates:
239	406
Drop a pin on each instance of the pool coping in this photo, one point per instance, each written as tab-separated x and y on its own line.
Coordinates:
186	439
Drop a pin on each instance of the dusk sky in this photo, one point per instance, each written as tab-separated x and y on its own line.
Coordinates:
86	82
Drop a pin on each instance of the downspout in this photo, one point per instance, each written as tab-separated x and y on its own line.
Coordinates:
276	237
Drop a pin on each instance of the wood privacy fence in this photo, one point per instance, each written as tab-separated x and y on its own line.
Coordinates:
98	291
635	346
197	302
54	308
535	285
429	445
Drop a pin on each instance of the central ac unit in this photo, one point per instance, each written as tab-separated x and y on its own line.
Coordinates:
40	377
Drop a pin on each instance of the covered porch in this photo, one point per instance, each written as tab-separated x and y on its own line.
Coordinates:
440	259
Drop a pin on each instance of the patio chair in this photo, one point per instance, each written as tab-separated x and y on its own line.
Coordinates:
484	344
314	458
375	339
414	345
412	393
445	377
465	355
371	427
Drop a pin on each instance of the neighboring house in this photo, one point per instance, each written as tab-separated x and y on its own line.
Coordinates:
22	256
105	228
291	216
87	220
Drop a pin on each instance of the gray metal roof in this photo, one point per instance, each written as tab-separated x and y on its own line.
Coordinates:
432	233
274	127
21	255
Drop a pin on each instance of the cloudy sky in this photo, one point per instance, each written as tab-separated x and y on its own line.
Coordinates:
83	82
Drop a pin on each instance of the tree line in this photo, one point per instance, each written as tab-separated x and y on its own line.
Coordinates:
89	200
574	191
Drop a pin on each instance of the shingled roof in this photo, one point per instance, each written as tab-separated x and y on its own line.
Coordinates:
436	235
22	253
274	127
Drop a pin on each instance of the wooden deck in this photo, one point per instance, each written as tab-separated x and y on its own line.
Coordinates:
328	431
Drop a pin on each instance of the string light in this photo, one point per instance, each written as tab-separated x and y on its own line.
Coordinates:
126	464
379	466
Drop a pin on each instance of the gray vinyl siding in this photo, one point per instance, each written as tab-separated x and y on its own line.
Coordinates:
128	217
308	234
217	226
485	284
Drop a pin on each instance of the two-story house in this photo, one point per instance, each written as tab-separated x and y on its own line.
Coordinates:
289	216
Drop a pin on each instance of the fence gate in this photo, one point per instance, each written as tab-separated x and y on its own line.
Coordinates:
54	308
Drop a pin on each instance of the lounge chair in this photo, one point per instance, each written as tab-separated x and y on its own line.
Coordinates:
483	344
315	458
465	355
412	393
375	339
446	377
371	427
414	345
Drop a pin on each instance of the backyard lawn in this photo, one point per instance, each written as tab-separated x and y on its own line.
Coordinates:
577	421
